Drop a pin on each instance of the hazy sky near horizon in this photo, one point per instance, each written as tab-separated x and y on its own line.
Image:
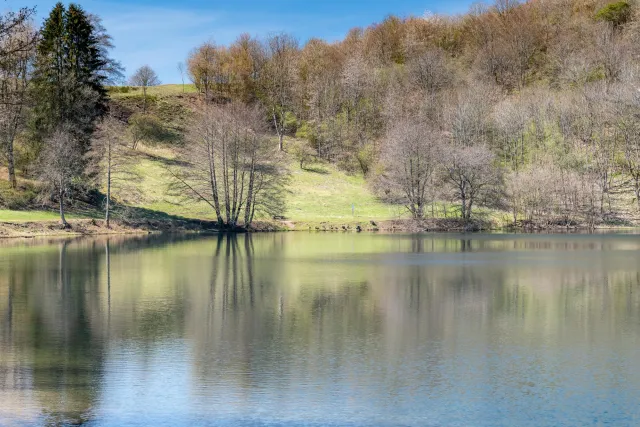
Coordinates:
161	33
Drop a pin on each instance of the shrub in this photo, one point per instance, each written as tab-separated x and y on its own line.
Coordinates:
22	197
617	13
303	153
290	122
366	158
304	131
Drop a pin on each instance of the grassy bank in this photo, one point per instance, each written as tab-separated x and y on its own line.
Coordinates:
319	197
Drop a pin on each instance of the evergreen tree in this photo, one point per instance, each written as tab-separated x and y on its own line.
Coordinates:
69	76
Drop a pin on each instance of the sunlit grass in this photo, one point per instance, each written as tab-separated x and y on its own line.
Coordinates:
321	193
160	91
324	193
26	216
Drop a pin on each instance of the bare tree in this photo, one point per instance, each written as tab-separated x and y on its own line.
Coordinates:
144	78
471	174
181	69
512	122
411	157
431	71
111	157
61	165
531	193
230	165
278	79
467	114
17	49
630	133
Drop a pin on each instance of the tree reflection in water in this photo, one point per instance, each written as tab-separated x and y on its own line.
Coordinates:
317	327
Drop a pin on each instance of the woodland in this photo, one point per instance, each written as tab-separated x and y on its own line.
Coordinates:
528	108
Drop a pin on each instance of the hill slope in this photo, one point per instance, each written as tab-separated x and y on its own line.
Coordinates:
318	196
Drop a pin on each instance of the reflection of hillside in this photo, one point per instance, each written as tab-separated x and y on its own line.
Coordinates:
51	332
298	313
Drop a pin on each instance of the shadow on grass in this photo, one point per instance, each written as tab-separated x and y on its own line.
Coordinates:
156	220
163	160
316	169
612	220
138	217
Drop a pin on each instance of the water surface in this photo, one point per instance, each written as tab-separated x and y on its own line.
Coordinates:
321	329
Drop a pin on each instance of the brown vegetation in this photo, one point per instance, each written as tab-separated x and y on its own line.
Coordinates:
526	107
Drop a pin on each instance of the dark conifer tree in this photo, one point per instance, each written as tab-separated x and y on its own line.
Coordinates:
69	76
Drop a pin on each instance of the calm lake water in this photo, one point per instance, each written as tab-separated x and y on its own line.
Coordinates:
321	329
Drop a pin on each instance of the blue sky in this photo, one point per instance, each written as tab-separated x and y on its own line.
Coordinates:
161	33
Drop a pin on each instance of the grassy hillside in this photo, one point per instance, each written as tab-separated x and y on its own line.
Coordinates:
160	91
321	193
318	197
318	194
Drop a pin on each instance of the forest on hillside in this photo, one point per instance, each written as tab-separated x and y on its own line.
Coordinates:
531	108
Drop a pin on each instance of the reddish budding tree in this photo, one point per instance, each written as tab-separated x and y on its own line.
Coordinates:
411	156
471	174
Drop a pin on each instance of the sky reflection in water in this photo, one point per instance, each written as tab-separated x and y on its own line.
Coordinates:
321	329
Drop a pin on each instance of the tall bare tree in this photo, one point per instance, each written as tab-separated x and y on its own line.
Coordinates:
470	173
278	80
181	70
627	128
411	156
61	166
17	50
229	163
111	156
144	77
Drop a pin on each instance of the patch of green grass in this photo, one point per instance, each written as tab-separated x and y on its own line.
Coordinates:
324	193
152	166
321	193
159	91
27	216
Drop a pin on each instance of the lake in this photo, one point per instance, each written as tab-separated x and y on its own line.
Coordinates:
291	329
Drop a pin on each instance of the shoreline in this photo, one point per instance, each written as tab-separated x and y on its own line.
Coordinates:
94	227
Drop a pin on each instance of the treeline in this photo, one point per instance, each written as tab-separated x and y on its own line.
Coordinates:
58	130
52	99
530	107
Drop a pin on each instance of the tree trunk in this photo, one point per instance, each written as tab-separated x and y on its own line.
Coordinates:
144	105
63	220
108	206
249	203
464	206
213	181
279	131
11	166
